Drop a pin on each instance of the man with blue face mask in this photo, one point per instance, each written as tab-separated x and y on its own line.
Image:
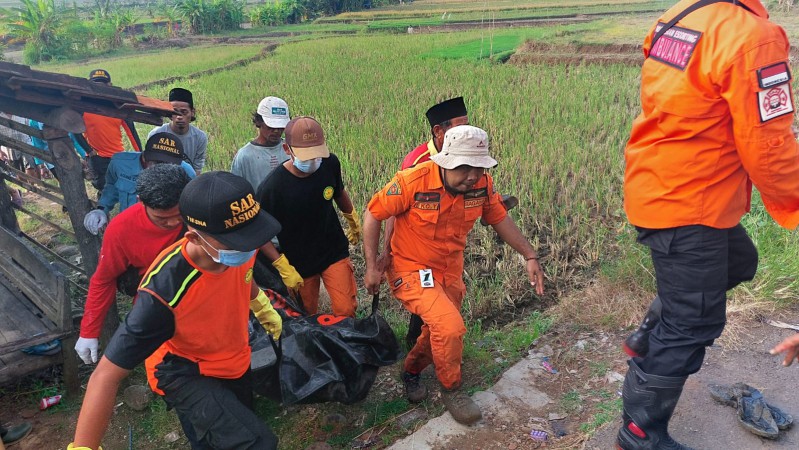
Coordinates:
189	324
300	195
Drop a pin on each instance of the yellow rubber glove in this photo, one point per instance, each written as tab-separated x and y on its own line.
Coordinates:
266	314
71	446
354	226
288	273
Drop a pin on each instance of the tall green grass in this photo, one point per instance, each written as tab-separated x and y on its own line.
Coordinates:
557	131
156	65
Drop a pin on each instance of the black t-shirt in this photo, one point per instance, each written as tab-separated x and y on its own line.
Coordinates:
149	324
312	237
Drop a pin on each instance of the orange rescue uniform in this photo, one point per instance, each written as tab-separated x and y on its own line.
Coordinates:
711	128
430	233
104	135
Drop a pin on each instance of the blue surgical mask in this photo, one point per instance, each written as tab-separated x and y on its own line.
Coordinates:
310	166
230	258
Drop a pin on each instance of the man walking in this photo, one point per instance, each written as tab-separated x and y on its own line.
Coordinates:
435	205
256	160
132	241
300	195
194	140
716	118
190	324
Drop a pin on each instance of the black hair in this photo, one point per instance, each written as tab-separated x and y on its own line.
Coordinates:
257	120
159	186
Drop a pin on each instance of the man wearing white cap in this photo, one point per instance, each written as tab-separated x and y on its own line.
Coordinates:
254	162
435	205
260	156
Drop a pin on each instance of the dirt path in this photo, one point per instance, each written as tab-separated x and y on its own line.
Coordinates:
703	424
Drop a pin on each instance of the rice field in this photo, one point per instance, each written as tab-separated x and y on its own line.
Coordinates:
503	9
155	65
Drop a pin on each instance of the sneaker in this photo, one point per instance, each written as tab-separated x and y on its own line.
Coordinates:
15	434
415	391
463	409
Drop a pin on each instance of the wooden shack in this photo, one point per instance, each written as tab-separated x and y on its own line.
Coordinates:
35	297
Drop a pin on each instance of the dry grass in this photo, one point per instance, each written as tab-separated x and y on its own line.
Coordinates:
603	305
743	307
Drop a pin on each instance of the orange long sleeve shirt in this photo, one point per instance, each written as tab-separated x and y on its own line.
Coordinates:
716	117
432	224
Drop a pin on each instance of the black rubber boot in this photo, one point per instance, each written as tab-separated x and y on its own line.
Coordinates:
637	343
649	402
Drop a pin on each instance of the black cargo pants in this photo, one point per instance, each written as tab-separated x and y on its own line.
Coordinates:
695	266
215	413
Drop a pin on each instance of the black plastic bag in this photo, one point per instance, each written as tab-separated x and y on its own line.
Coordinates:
322	358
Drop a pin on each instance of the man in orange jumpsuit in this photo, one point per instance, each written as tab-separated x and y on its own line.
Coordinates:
435	205
717	113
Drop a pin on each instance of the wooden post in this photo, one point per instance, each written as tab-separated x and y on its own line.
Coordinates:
7	216
70	174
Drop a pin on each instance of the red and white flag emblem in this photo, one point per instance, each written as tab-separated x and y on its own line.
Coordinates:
773	75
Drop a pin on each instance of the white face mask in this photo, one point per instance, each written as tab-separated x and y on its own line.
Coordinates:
310	166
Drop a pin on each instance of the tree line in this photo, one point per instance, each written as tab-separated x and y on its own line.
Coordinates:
54	31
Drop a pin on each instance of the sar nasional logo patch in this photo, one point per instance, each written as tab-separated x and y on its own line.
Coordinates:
328	193
248	276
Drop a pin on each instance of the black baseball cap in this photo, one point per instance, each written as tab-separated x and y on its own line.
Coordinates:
163	147
100	75
446	110
223	206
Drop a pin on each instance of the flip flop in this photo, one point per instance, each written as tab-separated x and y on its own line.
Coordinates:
754	415
730	394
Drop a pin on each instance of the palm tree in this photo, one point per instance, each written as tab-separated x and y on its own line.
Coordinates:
37	23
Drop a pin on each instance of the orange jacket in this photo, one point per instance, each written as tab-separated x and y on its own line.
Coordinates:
432	224
717	111
104	135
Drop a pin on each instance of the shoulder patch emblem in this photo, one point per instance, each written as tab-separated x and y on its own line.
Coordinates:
774	102
394	189
328	193
773	75
675	47
248	276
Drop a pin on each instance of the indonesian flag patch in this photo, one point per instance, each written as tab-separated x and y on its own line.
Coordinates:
773	75
774	102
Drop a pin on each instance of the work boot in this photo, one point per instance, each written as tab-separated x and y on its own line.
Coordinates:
463	409
649	402
15	434
637	343
415	391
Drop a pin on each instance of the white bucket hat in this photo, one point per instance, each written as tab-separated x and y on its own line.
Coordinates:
274	111
464	145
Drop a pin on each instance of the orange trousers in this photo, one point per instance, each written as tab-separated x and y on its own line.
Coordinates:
339	279
441	341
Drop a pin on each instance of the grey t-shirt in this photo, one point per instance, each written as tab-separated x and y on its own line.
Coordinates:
255	162
195	142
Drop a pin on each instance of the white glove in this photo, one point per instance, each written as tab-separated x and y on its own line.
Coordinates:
87	349
95	220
